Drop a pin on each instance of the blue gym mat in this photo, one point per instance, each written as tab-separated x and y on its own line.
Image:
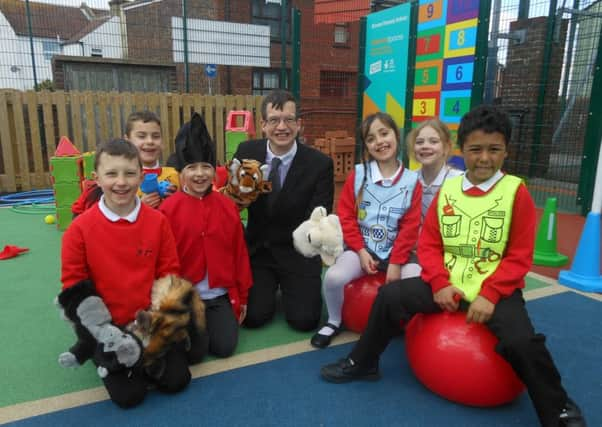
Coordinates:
289	391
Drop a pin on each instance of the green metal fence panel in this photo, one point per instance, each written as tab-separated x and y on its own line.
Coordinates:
540	60
593	137
542	55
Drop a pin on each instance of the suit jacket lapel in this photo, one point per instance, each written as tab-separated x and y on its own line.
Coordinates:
260	151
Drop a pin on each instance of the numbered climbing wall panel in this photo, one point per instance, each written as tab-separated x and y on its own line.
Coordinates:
445	49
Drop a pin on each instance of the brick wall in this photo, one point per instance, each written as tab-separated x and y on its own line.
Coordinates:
149	39
520	88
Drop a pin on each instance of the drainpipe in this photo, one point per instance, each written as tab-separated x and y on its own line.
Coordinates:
33	59
123	32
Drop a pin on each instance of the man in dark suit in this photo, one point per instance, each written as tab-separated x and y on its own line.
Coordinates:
302	178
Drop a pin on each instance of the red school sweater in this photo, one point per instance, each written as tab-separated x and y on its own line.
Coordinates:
122	258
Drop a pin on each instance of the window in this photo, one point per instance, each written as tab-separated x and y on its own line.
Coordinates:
341	34
264	81
50	48
337	83
265	13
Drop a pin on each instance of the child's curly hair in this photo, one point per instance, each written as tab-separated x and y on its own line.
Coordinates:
486	118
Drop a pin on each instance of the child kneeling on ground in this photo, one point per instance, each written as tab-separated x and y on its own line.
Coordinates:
111	255
209	239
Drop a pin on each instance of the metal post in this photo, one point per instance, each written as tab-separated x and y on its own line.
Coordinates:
541	97
361	85
593	136
33	58
523	9
228	68
283	15
480	62
185	35
491	70
407	125
296	53
569	57
597	197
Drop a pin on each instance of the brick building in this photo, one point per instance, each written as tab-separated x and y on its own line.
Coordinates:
520	91
328	66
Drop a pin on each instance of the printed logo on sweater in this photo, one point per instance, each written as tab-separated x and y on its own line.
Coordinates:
144	252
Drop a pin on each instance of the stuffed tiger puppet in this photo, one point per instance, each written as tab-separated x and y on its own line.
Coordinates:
175	304
246	181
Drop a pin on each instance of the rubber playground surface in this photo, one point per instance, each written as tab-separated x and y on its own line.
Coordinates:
273	377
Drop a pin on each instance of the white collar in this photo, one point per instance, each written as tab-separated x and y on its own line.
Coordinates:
378	177
286	158
438	181
113	217
156	166
483	186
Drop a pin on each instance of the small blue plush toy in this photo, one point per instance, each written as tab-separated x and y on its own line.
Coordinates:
151	184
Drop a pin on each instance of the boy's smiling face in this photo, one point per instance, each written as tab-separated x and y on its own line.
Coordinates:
147	139
484	154
119	178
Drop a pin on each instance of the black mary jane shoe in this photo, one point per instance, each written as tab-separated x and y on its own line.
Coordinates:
322	341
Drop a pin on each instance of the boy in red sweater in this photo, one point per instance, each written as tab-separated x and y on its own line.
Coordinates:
111	255
475	249
210	239
143	129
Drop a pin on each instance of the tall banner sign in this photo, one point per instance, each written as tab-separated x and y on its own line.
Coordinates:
445	49
386	62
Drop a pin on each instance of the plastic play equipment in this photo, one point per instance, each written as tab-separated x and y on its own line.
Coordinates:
35	202
585	270
545	243
239	128
359	297
28	198
457	360
66	175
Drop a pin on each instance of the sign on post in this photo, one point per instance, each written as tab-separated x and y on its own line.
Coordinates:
210	70
386	64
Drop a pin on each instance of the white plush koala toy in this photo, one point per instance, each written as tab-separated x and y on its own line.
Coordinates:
320	235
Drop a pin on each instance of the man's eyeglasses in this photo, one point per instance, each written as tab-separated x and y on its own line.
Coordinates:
275	121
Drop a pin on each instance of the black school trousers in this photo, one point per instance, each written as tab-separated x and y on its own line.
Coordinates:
518	343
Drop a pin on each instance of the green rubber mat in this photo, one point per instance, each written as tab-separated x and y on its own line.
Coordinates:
33	334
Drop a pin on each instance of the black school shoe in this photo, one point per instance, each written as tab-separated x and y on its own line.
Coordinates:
323	341
571	416
346	370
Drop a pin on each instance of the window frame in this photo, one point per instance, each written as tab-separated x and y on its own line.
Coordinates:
344	26
49	53
262	89
260	16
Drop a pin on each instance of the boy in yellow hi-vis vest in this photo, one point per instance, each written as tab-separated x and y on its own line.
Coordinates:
475	249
